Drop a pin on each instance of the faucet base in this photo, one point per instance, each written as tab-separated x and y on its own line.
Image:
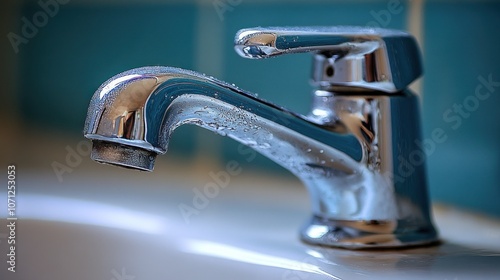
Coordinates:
364	234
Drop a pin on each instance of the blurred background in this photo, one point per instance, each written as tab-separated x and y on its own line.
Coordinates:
55	54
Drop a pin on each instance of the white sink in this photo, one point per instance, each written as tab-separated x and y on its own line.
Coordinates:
113	224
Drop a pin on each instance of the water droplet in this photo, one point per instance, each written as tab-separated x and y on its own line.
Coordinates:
320	151
322	162
308	150
216	95
221	133
265	146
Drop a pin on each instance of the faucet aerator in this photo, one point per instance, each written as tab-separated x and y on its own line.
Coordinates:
122	155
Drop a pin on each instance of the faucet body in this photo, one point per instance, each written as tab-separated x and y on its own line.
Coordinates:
359	154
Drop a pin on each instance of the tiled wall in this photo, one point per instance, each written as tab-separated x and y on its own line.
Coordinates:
83	45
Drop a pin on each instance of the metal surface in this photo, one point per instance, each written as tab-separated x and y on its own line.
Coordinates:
352	152
345	56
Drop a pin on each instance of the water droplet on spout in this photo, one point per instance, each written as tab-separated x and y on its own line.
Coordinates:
265	146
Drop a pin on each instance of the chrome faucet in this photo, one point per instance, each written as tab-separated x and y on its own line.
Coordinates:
357	152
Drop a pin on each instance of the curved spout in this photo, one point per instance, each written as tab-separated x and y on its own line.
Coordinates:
143	106
338	151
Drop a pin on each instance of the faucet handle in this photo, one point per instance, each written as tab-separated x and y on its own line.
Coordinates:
344	56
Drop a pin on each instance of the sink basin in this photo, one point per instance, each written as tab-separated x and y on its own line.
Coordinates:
107	223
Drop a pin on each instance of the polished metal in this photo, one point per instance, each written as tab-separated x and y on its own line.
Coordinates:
345	56
358	152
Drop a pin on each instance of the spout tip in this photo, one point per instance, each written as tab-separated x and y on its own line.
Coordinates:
124	156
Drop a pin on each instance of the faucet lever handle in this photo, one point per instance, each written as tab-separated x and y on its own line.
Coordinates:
344	56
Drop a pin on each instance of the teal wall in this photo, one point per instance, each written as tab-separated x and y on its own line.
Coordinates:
462	43
83	45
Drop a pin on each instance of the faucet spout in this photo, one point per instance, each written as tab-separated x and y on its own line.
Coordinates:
342	151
